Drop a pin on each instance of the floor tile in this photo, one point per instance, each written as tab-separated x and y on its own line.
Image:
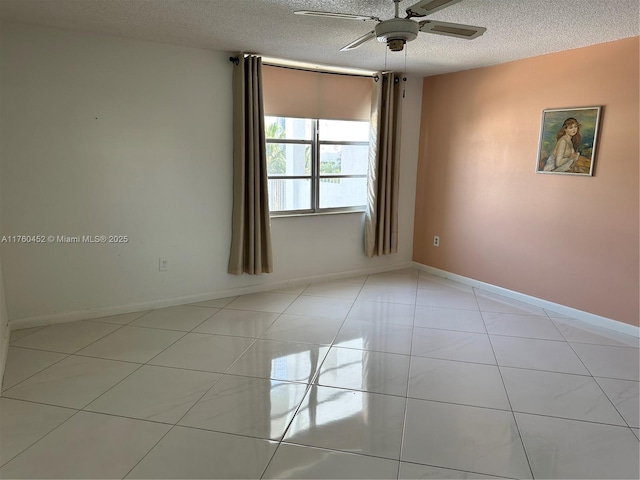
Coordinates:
451	345
350	421
552	314
24	423
66	337
395	282
328	367
291	290
182	318
297	461
611	362
294	362
394	278
414	470
73	382
447	299
24	362
263	302
464	438
431	282
375	372
159	394
491	302
457	382
391	294
303	329
238	323
88	445
379	337
449	319
123	319
537	355
357	280
132	344
382	312
16	335
516	325
559	448
624	394
576	331
190	453
295	289
254	407
320	307
199	351
216	302
558	395
333	290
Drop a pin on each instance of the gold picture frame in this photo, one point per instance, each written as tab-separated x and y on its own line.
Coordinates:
568	138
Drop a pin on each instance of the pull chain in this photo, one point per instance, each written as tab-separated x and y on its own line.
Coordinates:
404	75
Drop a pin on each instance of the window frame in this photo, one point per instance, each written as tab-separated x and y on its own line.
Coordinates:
315	176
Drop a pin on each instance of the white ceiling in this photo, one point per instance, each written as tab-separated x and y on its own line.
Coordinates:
515	28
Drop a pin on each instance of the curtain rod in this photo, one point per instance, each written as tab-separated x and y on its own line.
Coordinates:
302	69
236	61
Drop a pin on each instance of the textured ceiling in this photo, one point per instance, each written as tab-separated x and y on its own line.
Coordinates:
515	28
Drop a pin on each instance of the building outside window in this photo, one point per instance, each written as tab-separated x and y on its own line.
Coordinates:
316	165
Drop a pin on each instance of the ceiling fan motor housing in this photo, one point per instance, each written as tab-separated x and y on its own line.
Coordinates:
396	32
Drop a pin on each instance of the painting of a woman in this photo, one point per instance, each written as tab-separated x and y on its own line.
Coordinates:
571	153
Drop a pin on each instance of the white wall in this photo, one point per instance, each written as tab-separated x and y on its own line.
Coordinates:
109	136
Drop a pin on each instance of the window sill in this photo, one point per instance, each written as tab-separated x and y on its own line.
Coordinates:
316	214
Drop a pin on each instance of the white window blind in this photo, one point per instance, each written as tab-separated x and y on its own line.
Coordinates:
307	94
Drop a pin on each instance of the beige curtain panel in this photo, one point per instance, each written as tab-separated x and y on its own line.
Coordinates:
251	230
381	218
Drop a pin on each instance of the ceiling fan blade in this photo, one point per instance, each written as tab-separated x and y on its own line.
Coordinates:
356	43
427	7
345	16
468	32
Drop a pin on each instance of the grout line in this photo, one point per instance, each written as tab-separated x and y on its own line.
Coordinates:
43	436
37	329
66	355
329	449
313	382
595	379
455	470
150	450
572	419
506	392
406	399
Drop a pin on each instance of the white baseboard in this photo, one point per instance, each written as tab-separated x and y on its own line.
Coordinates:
43	320
586	317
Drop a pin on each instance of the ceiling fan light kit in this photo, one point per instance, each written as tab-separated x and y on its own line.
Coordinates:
396	32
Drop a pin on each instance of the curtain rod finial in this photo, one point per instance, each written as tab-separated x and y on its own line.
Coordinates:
234	60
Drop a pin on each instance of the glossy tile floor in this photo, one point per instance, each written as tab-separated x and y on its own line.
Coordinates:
393	375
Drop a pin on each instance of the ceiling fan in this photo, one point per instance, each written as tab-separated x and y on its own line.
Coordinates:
397	31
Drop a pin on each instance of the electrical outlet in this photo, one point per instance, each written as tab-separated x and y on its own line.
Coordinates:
163	264
436	241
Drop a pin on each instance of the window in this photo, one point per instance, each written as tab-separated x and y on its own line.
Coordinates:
316	165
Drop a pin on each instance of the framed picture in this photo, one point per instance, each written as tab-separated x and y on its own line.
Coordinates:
568	141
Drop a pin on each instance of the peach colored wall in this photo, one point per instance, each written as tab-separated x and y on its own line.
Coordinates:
567	239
